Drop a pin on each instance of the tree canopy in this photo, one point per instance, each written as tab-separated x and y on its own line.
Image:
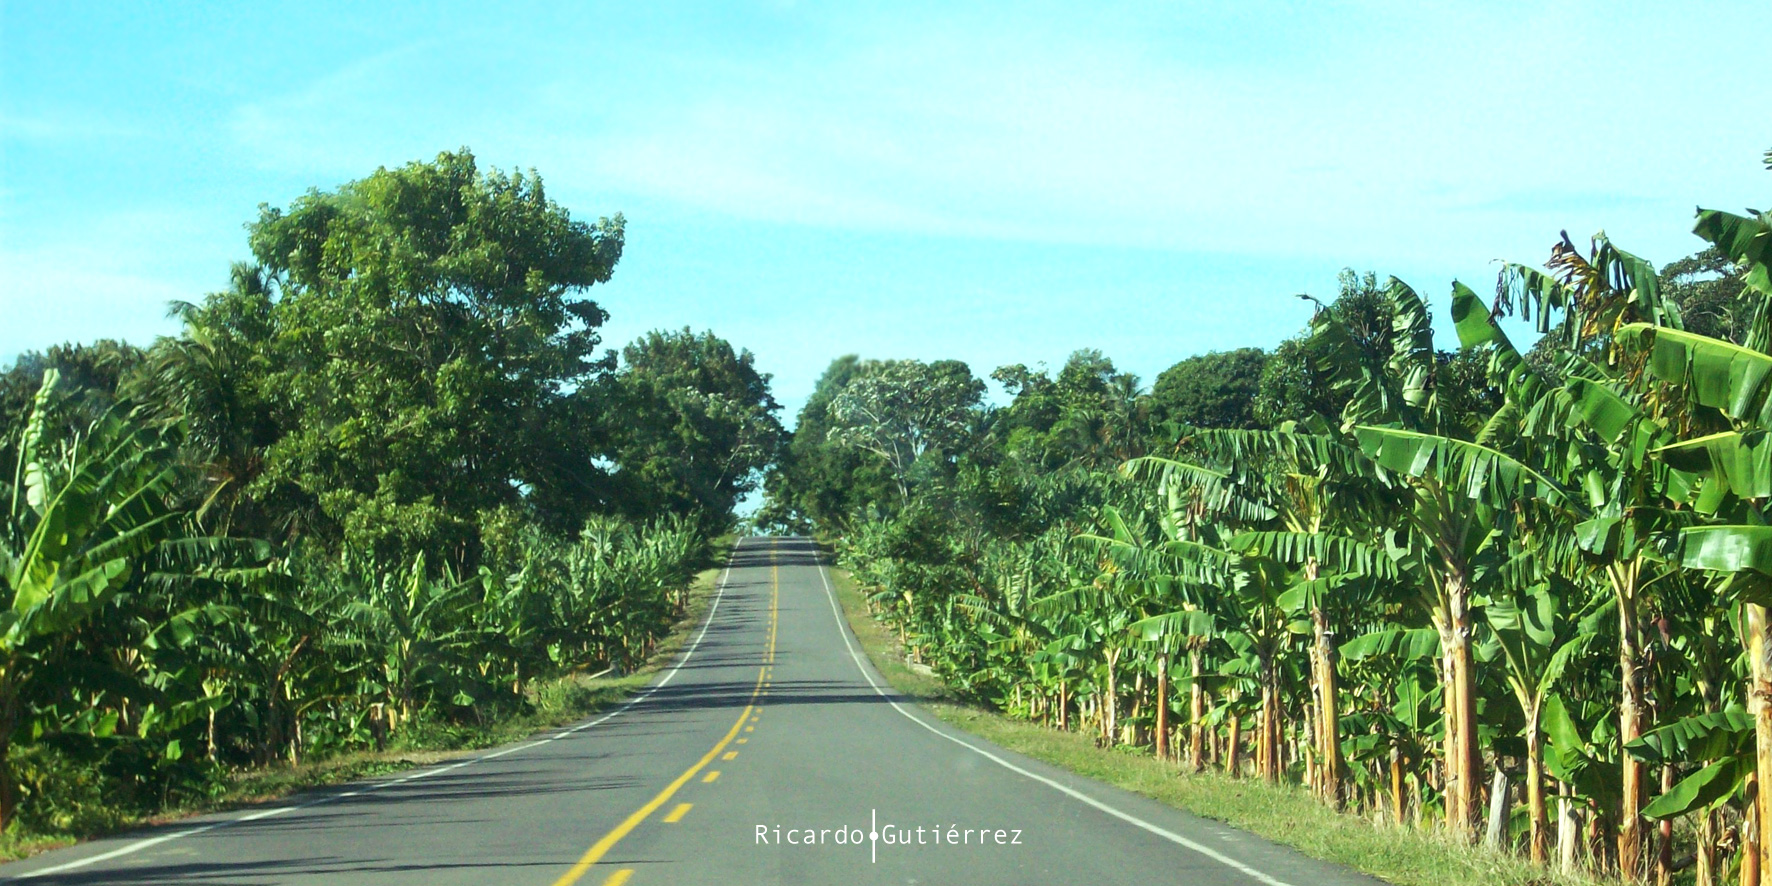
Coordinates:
1213	390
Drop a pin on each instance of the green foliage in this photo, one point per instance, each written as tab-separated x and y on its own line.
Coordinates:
1213	390
377	490
698	428
1091	415
1548	564
417	347
911	415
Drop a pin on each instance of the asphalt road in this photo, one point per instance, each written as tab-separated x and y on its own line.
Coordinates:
770	753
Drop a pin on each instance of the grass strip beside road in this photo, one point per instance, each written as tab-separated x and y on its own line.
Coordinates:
1282	814
554	703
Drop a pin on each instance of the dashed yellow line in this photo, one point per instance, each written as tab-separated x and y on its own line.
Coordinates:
729	755
709	778
602	846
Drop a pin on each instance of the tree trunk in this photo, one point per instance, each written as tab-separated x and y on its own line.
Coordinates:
1705	859
1759	702
1664	844
1397	785
1270	729
1162	740
1568	830
1460	712
1129	731
1264	740
1630	727
1539	837
1109	702
1196	750
1234	752
1299	748
1330	762
1498	809
1750	831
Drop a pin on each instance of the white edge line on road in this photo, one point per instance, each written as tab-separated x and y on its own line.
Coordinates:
1129	818
151	842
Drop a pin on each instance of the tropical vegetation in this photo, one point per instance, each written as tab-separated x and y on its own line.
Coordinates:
378	492
1513	596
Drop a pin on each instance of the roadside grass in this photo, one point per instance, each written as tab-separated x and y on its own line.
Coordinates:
1283	814
553	703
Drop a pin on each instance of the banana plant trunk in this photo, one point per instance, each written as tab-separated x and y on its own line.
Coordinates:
1704	862
1233	763
1331	763
1750	829
1110	722
1064	720
1630	725
1568	830
1539	838
1162	738
1460	709
1397	785
1664	843
1759	700
1196	746
1268	766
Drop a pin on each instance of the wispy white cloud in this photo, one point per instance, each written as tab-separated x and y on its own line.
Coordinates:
1414	138
1084	135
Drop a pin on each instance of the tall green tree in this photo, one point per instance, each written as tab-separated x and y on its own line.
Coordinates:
1213	390
697	425
420	333
1090	414
912	415
815	480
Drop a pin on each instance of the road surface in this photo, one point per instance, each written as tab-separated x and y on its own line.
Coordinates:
770	753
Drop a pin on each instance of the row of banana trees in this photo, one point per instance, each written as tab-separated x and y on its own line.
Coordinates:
144	654
1544	625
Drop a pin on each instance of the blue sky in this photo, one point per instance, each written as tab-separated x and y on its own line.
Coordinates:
998	183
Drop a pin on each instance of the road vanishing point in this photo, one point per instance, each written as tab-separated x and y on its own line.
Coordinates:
769	752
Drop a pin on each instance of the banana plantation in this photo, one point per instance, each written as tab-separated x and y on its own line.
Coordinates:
1518	596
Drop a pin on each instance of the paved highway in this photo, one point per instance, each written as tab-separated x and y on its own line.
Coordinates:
771	752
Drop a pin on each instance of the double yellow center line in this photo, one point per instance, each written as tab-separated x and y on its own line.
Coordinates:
602	847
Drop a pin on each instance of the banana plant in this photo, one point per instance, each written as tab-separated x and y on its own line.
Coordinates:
84	515
1321	494
1597	437
1461	496
1537	632
1395	696
427	637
